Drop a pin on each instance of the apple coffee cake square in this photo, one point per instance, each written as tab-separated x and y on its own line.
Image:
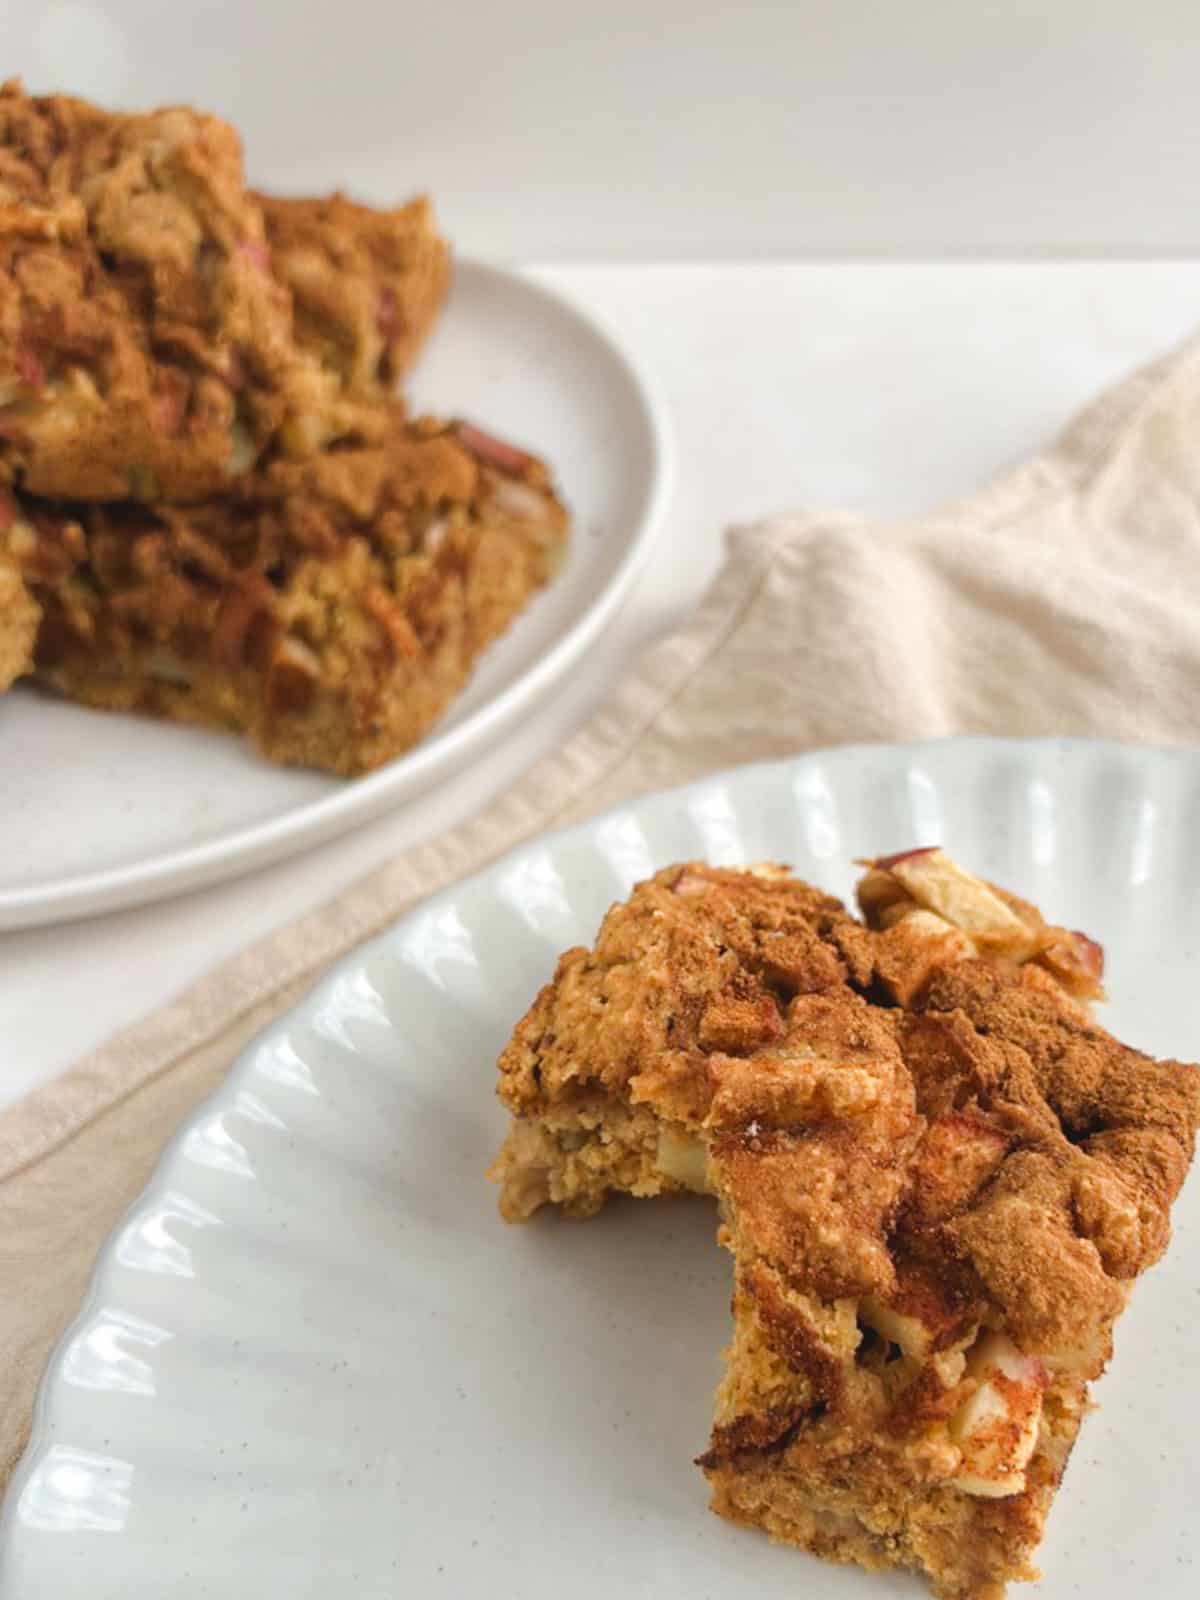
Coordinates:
938	1178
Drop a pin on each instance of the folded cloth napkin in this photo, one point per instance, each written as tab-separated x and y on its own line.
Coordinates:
1064	600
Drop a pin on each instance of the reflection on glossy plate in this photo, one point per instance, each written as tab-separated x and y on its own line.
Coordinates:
115	810
313	1363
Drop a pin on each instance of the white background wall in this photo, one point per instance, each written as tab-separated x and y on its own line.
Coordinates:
639	129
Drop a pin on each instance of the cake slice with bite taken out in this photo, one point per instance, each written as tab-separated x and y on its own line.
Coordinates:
937	1176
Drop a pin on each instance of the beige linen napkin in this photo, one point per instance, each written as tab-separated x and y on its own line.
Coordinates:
1066	599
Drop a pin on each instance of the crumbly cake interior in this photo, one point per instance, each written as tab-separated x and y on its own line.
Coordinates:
331	608
937	1176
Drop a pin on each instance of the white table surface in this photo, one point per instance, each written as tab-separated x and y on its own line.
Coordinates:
881	388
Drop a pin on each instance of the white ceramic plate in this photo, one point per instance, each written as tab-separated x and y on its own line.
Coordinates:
111	811
313	1363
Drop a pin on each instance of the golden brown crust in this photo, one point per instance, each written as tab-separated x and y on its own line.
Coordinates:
366	284
697	953
328	607
728	1001
808	1153
147	349
937	1176
141	329
1099	1139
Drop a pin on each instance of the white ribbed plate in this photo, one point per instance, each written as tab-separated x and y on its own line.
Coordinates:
313	1363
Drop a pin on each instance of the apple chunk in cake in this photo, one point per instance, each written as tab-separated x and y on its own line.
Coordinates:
937	1177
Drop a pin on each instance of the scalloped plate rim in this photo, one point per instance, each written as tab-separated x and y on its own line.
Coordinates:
51	1382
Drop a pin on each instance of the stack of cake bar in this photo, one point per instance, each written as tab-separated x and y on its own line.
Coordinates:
213	505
